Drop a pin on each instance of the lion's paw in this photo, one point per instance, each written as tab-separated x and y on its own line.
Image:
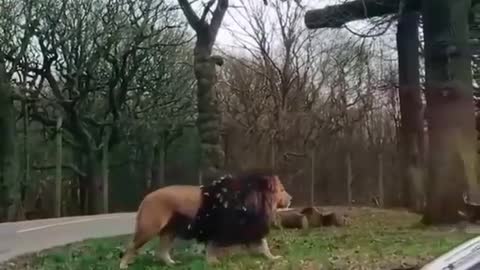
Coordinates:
170	262
123	265
276	257
213	260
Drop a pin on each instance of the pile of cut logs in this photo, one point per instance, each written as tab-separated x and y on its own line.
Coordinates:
308	217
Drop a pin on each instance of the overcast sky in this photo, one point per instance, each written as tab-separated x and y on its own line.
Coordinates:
234	21
225	38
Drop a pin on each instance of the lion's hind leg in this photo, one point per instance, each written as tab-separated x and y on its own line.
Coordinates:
146	228
263	249
166	241
137	242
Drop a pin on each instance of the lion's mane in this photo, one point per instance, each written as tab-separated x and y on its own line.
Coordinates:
235	209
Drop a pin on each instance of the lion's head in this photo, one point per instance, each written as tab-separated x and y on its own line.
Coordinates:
239	208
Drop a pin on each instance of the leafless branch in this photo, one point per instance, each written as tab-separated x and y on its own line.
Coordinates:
71	167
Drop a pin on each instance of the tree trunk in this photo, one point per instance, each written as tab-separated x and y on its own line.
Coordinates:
273	156
411	130
312	181
82	183
58	169
95	184
150	172
208	121
74	203
83	194
380	180
452	159
380	176
348	165
158	168
26	155
105	172
8	157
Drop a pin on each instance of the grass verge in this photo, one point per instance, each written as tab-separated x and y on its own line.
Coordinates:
373	239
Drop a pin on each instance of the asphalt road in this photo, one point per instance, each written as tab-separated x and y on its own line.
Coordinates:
19	238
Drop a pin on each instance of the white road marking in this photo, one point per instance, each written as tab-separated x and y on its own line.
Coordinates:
66	223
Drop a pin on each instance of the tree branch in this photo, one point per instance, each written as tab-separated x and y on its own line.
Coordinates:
206	10
217	17
71	167
190	14
335	16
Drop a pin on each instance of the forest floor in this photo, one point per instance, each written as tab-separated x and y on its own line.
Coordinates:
372	239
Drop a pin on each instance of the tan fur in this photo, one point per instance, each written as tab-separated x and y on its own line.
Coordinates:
158	208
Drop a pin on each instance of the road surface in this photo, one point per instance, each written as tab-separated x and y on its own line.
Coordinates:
19	238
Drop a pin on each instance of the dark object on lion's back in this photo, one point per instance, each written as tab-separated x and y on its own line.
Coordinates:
235	210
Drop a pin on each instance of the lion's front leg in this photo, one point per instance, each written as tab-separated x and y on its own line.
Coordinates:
263	249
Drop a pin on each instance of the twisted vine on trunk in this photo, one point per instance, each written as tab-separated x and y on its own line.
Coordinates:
208	121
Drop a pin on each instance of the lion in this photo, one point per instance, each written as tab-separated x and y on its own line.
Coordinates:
234	210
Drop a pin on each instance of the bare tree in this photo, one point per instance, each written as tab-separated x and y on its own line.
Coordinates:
283	78
89	74
284	91
16	37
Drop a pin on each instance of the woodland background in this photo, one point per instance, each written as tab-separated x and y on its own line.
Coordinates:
110	85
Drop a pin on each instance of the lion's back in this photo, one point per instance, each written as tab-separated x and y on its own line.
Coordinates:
179	199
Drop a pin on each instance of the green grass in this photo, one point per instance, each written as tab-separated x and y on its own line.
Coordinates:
372	239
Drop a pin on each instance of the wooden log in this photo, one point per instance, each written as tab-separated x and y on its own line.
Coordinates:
332	219
291	219
317	218
314	216
335	16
